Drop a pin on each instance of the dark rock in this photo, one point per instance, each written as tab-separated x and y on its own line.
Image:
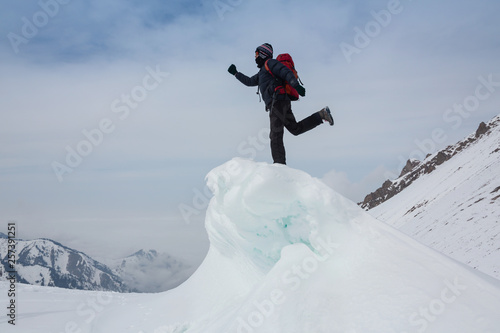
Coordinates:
483	128
441	157
410	165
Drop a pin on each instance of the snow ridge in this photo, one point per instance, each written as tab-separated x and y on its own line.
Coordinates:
455	207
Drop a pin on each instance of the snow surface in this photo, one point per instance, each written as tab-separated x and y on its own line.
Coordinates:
456	208
287	254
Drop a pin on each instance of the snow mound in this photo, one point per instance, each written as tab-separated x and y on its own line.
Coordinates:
288	254
321	264
258	209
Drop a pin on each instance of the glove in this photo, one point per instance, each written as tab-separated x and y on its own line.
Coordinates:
301	90
232	69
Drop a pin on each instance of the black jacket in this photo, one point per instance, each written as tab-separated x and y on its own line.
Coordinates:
267	83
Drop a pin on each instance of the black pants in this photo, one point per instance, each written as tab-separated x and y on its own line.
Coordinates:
281	116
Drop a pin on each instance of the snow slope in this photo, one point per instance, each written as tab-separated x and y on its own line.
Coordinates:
455	209
287	254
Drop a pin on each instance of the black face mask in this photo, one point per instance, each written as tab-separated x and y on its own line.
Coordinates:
260	61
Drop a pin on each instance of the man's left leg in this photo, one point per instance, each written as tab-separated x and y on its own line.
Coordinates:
306	124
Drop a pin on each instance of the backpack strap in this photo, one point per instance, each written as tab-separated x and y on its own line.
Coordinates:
268	69
280	86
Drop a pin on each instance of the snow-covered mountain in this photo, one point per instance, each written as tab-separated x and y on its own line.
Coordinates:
150	271
287	255
45	262
451	200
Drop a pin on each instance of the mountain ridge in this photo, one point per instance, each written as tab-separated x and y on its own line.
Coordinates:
46	262
450	201
414	168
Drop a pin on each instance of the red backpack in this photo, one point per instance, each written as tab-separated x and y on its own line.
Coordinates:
286	60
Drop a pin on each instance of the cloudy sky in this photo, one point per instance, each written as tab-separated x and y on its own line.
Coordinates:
113	112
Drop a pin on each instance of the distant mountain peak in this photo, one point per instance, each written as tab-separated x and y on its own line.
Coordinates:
149	254
150	271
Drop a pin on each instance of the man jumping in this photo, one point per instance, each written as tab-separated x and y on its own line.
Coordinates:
271	78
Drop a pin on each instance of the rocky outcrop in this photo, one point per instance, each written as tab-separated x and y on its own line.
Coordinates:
482	129
410	165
